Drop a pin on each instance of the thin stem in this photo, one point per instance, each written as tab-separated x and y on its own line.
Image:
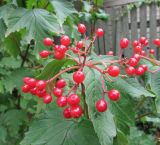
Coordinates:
103	86
71	57
143	115
155	71
71	89
151	60
25	55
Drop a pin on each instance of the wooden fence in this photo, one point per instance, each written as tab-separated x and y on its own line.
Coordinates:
141	21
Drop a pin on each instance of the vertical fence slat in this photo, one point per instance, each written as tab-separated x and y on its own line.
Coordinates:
143	20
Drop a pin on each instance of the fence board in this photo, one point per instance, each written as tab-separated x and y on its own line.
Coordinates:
143	20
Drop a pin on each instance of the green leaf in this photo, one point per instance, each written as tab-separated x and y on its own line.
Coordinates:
51	128
2	29
38	23
3	133
53	67
99	2
103	122
63	9
87	6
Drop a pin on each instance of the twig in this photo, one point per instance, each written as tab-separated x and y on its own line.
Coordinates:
25	55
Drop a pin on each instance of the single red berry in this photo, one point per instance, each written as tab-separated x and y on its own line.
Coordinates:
33	91
137	49
41	84
62	48
152	51
59	55
60	83
140	71
65	40
79	44
67	113
145	67
110	53
137	57
113	71
73	100
56	48
146	43
156	42
130	70
48	41
133	62
62	101
114	95
25	88
143	53
135	43
47	99
41	93
76	111
142	40
99	32
26	79
124	42
75	50
44	53
101	105
78	77
57	92
31	82
82	28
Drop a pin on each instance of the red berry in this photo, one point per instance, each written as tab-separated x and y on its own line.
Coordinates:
142	40
135	43
143	53
124	42
130	70
133	62
44	53
56	48
145	67
146	43
41	84
41	93
75	50
61	101
78	77
25	88
65	40
60	83
152	51
73	100
79	44
57	92
101	105
76	111
59	55
156	42
47	99
99	32
114	95
33	91
140	71
113	71
48	41
31	82
137	49
67	113
137	57
25	80
110	53
62	48
82	28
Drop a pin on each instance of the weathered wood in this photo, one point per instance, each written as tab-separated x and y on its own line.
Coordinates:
143	20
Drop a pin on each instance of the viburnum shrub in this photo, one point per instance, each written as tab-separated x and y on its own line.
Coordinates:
79	51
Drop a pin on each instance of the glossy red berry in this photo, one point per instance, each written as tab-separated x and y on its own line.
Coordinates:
76	111
133	62
67	113
25	88
47	99
146	43
137	57
99	32
57	92
31	82
145	67
82	28
73	100
142	40
130	70
59	55
113	71
135	43
62	48
26	79
137	49
65	40
101	105
48	42
75	50
33	91
41	84
143	53
62	101
110	53
78	77
44	53
140	71
124	42
60	83
152	51
156	42
56	47
41	93
79	44
114	95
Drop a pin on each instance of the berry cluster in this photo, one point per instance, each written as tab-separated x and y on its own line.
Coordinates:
112	68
